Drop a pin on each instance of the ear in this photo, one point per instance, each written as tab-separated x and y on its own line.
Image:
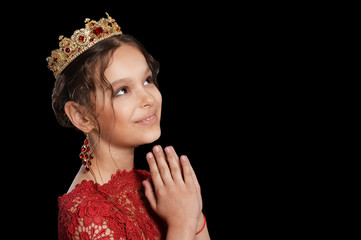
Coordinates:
77	115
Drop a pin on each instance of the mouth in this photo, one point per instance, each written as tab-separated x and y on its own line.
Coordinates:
148	120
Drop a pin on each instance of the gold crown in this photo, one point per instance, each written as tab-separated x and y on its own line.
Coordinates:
80	41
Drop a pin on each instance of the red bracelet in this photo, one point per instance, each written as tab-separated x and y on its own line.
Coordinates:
204	224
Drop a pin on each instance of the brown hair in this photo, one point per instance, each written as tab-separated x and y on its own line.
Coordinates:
79	79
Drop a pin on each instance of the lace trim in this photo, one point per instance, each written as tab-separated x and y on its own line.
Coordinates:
117	209
87	184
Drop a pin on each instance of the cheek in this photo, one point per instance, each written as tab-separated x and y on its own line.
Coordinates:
114	121
122	118
158	97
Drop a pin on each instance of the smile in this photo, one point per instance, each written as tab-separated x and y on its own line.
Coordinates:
149	120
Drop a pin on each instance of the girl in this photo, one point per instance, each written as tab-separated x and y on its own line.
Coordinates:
106	86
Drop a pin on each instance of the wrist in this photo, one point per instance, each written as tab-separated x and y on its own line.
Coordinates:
190	224
201	223
200	220
181	232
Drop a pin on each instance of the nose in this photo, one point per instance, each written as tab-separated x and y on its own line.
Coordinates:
146	99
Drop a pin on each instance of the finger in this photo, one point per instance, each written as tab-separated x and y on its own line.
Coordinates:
197	186
149	194
195	179
157	180
174	164
163	167
187	173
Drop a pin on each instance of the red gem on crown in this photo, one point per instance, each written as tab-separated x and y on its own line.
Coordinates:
97	31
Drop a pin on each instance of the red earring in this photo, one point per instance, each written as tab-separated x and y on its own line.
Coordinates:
86	154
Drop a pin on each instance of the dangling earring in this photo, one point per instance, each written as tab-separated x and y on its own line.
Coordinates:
86	154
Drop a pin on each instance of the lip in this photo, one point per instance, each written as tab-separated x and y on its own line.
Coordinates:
150	119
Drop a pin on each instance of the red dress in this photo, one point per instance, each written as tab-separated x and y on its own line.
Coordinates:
115	210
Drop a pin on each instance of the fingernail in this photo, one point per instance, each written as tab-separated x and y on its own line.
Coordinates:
157	148
168	149
184	158
149	155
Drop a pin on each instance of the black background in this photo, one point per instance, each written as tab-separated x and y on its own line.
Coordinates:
200	115
220	66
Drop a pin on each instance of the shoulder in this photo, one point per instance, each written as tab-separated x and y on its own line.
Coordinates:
79	178
86	212
79	195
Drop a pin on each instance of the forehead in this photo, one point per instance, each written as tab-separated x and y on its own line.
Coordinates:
127	62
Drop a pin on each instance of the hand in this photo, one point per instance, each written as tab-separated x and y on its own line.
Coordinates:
175	194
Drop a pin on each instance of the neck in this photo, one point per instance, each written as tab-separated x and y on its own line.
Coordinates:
108	159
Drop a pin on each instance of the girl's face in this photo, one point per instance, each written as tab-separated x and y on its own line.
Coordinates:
134	116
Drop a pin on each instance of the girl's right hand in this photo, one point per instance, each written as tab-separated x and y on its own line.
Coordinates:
174	193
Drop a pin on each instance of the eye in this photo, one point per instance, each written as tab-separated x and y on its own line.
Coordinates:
148	81
122	91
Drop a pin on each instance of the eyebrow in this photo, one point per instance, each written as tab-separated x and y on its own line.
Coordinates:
126	79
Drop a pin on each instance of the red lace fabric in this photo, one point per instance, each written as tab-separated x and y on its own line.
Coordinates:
115	210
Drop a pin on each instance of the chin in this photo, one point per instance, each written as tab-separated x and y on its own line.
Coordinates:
150	137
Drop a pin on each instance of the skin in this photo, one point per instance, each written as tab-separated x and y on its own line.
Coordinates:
133	118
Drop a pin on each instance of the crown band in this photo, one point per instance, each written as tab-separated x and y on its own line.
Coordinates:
80	41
